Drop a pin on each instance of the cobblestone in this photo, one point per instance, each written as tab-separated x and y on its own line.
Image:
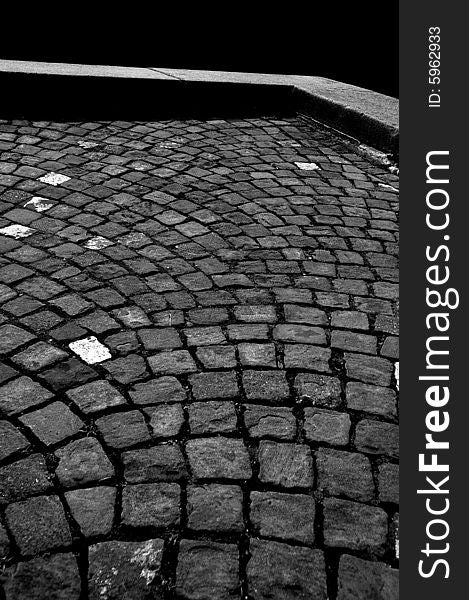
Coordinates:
127	370
24	478
214	385
244	428
345	474
302	356
166	420
355	526
320	390
263	421
216	508
279	570
154	505
82	462
374	437
20	394
388	483
12	337
95	396
93	509
172	363
158	463
365	580
68	374
369	369
54	576
257	355
11	440
130	568
123	429
270	386
212	417
327	426
216	458
53	423
207	569
371	399
38	356
215	357
156	391
285	465
38	524
289	517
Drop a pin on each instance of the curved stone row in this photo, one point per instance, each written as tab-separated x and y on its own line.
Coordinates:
198	339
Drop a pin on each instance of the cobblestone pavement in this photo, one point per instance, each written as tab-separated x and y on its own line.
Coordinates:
230	427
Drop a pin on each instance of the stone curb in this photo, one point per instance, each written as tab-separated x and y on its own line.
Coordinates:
371	117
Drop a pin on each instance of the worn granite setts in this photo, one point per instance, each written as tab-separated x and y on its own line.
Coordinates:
198	340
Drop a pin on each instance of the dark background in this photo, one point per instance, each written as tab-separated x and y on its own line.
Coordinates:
352	42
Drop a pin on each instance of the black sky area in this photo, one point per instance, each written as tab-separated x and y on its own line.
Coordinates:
352	42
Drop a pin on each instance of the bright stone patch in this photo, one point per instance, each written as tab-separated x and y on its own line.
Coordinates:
289	143
169	145
38	204
396	374
54	178
396	542
17	231
388	187
97	243
305	166
84	144
132	238
90	350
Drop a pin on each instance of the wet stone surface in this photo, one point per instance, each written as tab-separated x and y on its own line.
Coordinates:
126	570
198	346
